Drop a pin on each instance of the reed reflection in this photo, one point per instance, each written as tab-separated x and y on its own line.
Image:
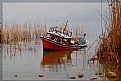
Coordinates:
15	52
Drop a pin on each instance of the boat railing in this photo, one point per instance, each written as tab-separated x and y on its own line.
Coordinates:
60	31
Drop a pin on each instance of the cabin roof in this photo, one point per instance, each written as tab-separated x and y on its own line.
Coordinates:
59	35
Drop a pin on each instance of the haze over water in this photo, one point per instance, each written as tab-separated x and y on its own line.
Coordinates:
27	64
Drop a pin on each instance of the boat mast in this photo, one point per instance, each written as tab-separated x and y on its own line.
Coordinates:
65	26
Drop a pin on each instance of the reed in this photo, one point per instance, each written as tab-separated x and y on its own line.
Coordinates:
16	33
110	42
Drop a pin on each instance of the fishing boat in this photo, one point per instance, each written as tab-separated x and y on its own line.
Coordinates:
58	39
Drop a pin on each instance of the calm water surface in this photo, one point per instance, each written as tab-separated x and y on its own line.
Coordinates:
30	61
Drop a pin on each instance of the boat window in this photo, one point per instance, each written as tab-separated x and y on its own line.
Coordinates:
55	39
51	29
57	29
61	30
52	37
59	40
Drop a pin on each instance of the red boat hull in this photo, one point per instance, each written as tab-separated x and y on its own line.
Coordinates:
49	45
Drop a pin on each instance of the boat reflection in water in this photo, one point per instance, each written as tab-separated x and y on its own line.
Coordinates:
57	60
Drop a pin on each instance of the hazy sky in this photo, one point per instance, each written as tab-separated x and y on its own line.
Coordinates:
52	11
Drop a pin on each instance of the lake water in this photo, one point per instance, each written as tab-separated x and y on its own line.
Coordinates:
28	63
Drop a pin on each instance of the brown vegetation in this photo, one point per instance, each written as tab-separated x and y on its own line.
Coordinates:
16	33
110	43
109	50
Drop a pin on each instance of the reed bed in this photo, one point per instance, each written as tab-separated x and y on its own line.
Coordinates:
16	33
18	37
109	48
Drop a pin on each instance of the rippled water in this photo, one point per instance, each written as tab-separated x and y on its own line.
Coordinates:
30	61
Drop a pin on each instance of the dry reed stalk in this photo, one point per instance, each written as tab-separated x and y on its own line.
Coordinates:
45	29
36	31
110	44
39	30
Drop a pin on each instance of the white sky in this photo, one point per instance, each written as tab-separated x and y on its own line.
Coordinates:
52	11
